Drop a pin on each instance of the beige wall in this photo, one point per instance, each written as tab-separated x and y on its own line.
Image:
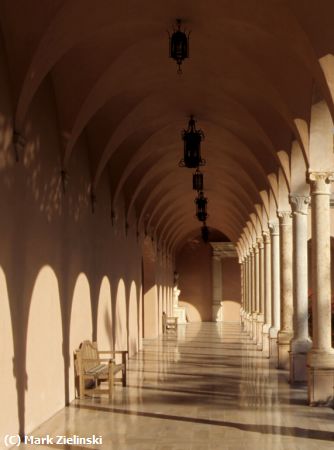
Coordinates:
231	289
195	282
194	266
66	274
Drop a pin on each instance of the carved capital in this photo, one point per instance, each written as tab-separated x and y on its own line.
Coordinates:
266	237
273	227
259	241
284	218
216	254
299	203
320	182
255	248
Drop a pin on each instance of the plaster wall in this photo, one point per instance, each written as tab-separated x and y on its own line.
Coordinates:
193	264
231	282
66	274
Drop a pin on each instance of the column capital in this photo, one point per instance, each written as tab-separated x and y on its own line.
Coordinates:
266	236
284	217
259	241
216	254
255	248
273	227
299	203
320	182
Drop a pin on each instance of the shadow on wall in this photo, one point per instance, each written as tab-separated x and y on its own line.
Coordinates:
193	264
39	353
192	314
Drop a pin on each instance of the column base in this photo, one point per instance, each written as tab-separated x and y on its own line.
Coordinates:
217	313
246	322
298	360
320	377
259	327
254	327
273	351
298	369
283	346
265	341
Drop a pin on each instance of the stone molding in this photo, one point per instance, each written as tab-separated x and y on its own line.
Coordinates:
224	250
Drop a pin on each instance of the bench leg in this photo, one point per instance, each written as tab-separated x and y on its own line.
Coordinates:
111	382
81	388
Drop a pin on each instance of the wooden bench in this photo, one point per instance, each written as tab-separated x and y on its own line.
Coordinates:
92	369
168	323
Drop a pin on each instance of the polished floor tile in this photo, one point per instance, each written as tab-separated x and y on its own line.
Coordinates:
204	388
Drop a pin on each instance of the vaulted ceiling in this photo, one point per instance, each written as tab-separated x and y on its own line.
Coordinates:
253	70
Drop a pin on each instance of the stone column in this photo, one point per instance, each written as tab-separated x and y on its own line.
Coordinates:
267	294
253	310
243	290
301	342
286	331
320	359
260	315
249	292
257	292
275	288
217	294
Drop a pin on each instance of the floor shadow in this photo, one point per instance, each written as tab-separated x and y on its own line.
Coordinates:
263	429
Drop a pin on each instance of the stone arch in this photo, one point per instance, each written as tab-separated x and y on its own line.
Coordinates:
9	423
80	323
45	392
104	316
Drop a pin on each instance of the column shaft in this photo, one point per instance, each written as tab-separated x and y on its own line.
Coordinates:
286	332
260	315
275	288
216	286
267	293
301	342
320	359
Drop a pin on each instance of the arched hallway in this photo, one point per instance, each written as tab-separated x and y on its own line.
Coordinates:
206	388
129	190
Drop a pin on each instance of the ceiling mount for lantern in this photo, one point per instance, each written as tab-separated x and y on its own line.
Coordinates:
201	203
179	45
198	181
192	146
205	233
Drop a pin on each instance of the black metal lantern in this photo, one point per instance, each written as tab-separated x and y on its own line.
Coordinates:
205	233
192	146
179	45
201	203
198	181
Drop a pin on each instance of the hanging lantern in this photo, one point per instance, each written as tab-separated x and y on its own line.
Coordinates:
201	203
179	46
205	233
192	146
198	181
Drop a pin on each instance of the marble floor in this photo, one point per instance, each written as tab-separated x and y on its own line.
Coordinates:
205	388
